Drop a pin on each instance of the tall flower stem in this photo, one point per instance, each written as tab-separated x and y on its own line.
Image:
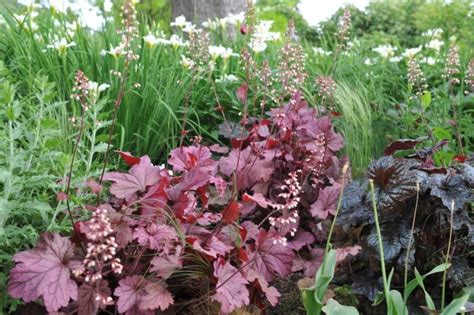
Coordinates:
380	245
412	231
443	287
339	203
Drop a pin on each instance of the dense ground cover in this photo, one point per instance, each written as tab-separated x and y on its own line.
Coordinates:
260	133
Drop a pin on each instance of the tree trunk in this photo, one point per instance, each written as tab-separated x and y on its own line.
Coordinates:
198	11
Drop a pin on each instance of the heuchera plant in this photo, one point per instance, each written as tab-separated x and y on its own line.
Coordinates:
217	227
410	190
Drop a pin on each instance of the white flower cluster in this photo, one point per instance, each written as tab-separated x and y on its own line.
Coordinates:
320	51
262	35
227	78
88	13
386	51
61	45
174	41
231	19
221	51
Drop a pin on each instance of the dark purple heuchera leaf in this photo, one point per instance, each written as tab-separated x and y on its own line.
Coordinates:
367	283
270	258
327	202
451	189
394	181
138	178
45	271
231	290
354	206
402	144
395	237
87	303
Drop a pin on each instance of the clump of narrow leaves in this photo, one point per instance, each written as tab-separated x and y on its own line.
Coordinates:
212	231
403	184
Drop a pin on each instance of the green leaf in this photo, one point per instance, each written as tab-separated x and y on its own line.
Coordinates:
10	113
397	303
428	299
426	100
455	305
324	275
414	283
334	308
379	298
441	134
309	303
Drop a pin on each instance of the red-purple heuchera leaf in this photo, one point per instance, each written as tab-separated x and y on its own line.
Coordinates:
242	93
271	293
156	296
309	266
138	178
231	290
187	158
343	253
129	291
45	271
270	257
129	158
88	294
156	236
327	202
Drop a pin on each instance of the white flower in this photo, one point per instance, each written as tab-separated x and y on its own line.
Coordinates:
27	3
368	62
189	27
210	24
95	88
261	35
428	60
435	33
411	52
114	51
395	59
179	21
258	46
187	62
385	50
221	51
435	44
59	5
61	45
320	51
177	41
227	78
108	5
150	40
235	19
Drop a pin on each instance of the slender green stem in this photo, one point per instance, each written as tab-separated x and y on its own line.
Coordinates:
379	238
443	287
411	238
339	202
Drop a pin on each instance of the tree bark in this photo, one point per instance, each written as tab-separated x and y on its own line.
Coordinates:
198	11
